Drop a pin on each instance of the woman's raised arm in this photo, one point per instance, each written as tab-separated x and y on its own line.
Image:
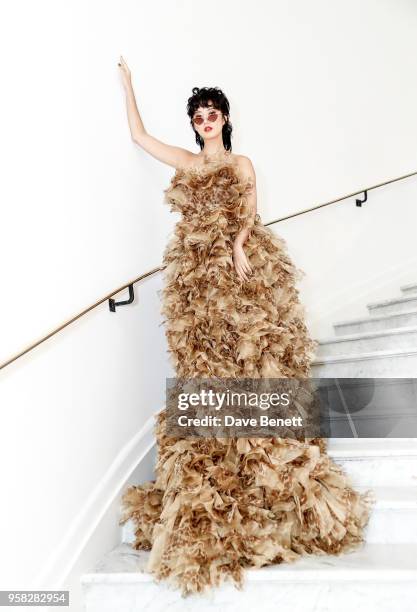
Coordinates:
168	154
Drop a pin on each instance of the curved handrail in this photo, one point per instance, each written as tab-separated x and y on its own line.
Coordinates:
160	268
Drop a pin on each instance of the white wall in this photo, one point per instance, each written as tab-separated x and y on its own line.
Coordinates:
323	97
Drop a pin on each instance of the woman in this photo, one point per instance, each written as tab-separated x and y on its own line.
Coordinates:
232	310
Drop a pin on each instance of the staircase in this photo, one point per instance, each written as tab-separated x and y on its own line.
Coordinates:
382	574
383	344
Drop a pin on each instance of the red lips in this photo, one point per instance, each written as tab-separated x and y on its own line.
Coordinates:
207	128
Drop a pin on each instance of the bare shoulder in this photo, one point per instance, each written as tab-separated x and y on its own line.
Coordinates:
245	165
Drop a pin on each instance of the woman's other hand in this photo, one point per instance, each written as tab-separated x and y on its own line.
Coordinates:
241	262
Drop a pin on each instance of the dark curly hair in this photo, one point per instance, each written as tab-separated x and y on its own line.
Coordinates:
201	97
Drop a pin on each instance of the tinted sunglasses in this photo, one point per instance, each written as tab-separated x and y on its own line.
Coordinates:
212	116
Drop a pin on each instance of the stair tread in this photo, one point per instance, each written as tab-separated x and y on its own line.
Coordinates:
410	286
354	448
375	561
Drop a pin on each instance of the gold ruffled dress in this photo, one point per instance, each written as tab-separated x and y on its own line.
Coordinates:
220	505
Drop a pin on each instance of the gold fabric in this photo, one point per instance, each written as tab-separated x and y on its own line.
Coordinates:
220	505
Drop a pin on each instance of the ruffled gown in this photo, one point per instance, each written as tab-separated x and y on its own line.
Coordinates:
218	505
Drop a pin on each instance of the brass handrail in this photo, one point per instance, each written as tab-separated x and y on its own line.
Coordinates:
345	197
158	269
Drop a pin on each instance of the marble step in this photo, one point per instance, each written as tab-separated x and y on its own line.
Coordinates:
376	577
372	324
393	519
377	462
383	363
393	305
409	289
402	337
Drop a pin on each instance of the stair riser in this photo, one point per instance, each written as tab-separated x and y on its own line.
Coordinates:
367	345
402	320
385	525
372	471
388	366
326	595
380	471
396	307
392	525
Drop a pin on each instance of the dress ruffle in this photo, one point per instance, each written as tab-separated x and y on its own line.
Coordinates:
218	506
216	324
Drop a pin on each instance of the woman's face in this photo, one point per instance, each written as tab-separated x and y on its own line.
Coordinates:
208	121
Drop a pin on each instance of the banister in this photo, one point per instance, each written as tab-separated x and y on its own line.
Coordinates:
159	268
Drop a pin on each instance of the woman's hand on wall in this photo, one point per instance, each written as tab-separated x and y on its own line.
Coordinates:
125	72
